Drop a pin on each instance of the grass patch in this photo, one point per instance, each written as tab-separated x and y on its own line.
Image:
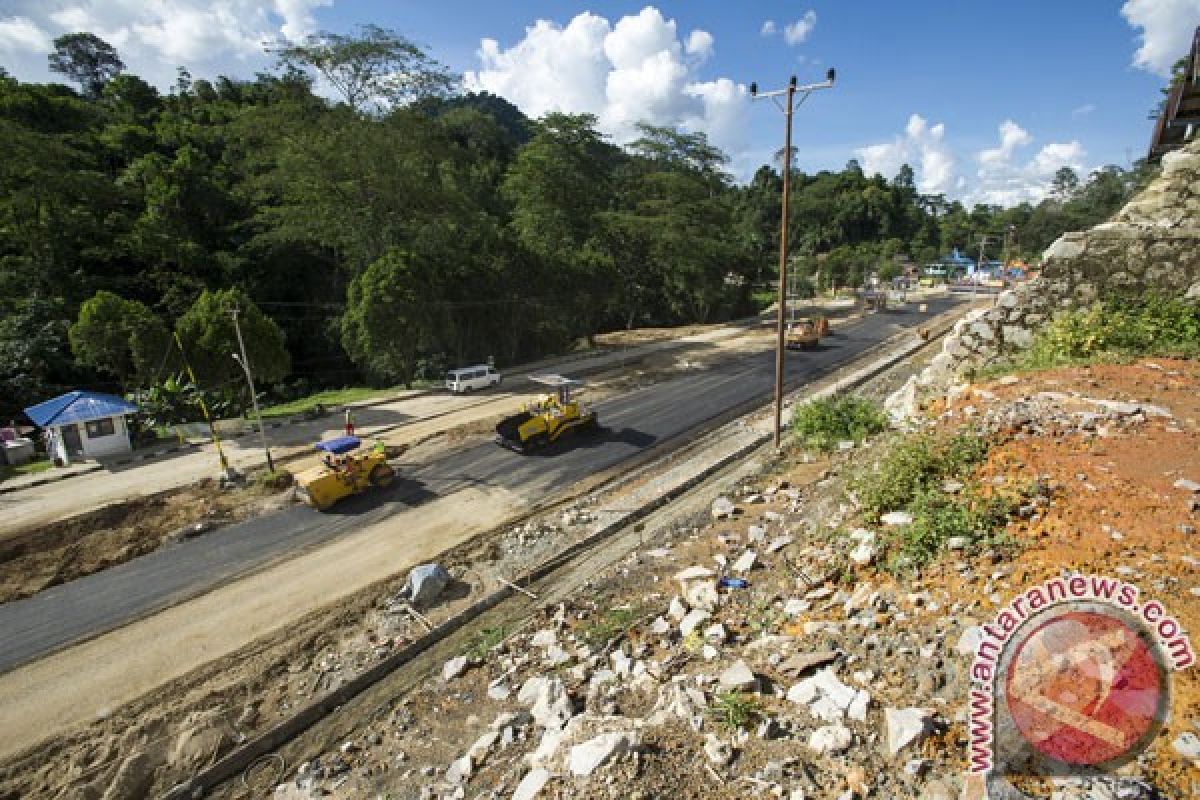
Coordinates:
273	481
911	477
735	711
328	398
1113	332
915	464
609	625
822	423
485	641
32	468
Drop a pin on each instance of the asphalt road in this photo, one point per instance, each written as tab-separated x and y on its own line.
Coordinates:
38	625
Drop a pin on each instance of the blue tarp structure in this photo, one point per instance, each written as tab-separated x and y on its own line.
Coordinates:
78	406
340	445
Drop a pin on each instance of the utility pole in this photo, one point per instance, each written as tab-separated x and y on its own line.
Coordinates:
788	109
244	363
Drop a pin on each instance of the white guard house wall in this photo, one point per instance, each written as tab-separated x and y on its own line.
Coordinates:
107	436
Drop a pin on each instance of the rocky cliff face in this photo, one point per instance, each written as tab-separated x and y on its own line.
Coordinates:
1150	245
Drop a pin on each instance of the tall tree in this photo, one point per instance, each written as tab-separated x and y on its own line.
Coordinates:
86	59
376	66
120	337
210	340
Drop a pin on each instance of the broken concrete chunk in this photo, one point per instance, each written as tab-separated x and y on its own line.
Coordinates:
531	785
454	667
723	508
425	584
585	758
1187	485
825	696
745	562
703	595
692	620
460	771
830	739
905	726
718	752
896	518
802	662
739	677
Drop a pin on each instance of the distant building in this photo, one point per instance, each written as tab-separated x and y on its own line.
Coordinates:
83	425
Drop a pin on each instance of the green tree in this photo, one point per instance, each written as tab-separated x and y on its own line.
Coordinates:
121	337
1065	184
376	66
381	327
86	59
210	340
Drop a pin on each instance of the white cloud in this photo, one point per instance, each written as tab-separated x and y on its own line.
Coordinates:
923	147
798	31
1166	31
1083	110
153	37
768	28
19	34
700	44
1003	177
636	70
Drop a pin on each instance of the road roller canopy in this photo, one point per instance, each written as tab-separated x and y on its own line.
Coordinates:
340	445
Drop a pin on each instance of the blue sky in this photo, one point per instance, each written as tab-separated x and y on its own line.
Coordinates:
985	100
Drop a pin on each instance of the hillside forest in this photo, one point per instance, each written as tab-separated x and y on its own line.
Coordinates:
401	227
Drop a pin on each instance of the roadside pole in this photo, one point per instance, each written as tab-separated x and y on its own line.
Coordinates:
781	322
244	362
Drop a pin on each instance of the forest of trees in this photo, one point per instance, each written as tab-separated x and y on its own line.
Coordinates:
402	228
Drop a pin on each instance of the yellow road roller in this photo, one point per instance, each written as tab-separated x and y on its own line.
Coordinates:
547	419
343	471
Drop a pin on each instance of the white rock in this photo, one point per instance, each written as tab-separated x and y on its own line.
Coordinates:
1187	485
970	640
756	533
454	667
830	739
1187	745
738	676
460	771
695	573
498	690
552	707
544	638
703	595
693	620
745	562
660	627
675	700
723	508
905	726
896	518
716	634
957	543
531	784
859	705
677	610
796	605
718	752
827	697
585	758
863	554
779	543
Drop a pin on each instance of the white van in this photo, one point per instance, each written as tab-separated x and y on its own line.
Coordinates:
468	379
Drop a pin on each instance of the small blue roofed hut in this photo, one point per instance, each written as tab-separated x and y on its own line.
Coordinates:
83	425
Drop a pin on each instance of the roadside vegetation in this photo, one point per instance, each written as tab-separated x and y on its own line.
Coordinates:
32	468
929	476
821	424
1114	332
329	398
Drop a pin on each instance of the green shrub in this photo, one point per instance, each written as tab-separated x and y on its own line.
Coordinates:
822	423
1115	331
938	516
915	464
734	710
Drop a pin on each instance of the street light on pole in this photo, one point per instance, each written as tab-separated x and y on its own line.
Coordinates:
244	363
787	107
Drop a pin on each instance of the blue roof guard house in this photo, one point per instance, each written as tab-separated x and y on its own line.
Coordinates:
82	425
